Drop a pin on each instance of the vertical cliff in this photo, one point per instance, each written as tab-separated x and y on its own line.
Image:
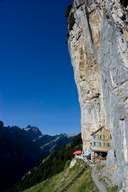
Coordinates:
98	45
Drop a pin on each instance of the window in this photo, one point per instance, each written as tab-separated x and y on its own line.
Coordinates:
94	136
100	136
99	144
108	144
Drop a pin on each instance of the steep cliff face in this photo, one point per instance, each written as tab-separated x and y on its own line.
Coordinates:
98	45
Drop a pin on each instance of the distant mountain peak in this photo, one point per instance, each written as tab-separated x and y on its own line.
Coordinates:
1	124
34	131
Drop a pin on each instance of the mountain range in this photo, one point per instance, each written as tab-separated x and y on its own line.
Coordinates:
54	164
22	149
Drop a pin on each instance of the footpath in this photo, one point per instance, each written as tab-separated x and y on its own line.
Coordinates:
101	187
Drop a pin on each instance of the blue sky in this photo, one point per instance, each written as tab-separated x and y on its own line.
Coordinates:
36	77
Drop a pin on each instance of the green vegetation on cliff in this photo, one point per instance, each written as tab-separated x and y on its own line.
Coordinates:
75	179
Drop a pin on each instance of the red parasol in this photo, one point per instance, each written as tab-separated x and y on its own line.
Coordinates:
78	152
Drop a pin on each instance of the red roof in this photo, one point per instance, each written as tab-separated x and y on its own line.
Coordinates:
78	152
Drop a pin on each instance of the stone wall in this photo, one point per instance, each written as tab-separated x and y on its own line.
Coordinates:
98	45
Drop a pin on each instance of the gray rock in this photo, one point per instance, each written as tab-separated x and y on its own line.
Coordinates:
98	45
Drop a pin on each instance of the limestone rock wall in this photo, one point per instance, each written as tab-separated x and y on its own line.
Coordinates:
98	45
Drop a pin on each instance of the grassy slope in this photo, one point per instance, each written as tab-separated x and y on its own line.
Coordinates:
76	179
52	166
113	189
